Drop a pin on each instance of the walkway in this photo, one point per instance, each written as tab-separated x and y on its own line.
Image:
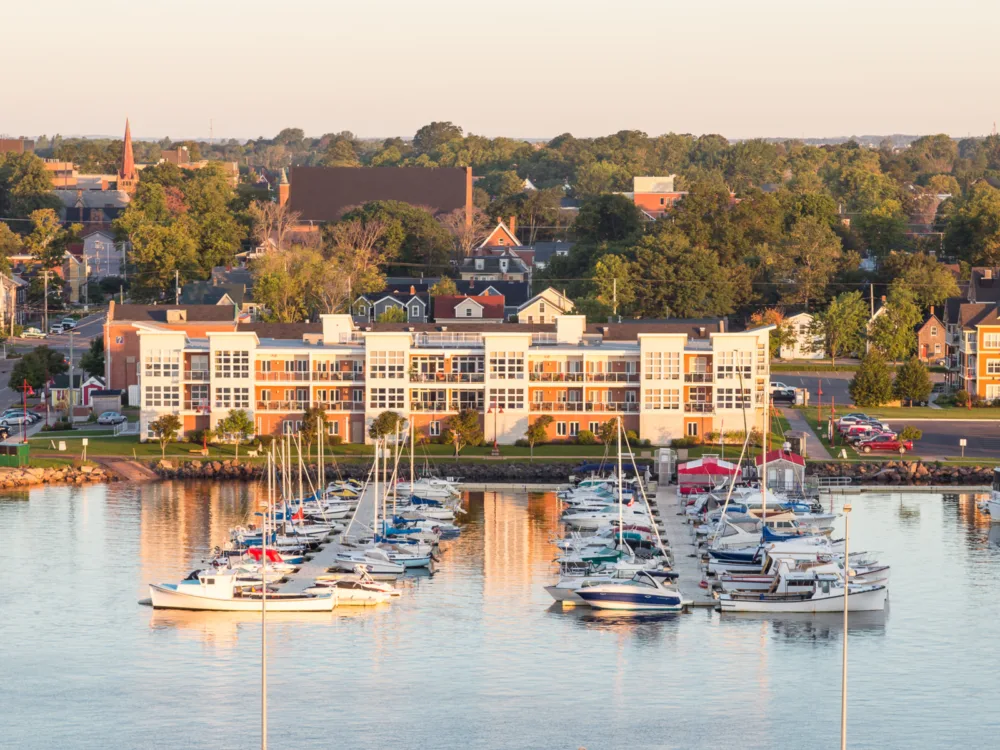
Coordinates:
815	449
687	557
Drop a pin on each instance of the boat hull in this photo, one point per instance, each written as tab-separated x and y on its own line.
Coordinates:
631	602
994	507
165	597
867	600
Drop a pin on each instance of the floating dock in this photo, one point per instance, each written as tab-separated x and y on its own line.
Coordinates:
679	535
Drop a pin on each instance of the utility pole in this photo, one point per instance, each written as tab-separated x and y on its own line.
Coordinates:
871	300
45	303
847	591
71	335
614	297
177	287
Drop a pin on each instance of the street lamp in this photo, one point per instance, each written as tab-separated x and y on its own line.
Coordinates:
494	410
847	581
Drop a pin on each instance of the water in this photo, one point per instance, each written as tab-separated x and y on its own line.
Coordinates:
475	657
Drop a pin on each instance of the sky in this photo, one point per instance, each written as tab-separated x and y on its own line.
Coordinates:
520	68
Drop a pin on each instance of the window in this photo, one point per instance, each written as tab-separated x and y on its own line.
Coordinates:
162	365
992	392
288	427
993	367
163	395
479	264
265	395
630	397
732	398
507	398
507	365
265	365
468	312
594	427
934	331
574	429
232	364
561	429
434	429
386	364
541	307
333	428
734	365
387	398
937	348
660	365
414	311
358	396
233	398
466	400
991	341
296	365
665	398
692	429
538	396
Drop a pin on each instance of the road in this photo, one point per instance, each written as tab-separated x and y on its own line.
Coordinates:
834	385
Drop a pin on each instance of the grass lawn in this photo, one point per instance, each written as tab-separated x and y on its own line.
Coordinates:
812	366
903	413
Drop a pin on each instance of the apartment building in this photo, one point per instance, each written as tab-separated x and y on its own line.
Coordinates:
973	337
667	379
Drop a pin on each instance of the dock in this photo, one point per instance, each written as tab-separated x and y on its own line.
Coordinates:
679	535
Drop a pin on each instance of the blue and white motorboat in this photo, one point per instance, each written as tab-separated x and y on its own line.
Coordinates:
642	592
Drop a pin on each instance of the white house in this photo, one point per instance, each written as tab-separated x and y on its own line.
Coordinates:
104	256
806	345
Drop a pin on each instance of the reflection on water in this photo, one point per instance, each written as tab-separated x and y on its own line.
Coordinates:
475	655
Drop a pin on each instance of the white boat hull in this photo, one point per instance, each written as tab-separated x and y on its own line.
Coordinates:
868	600
994	507
166	597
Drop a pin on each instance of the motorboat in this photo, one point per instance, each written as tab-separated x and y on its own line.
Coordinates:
642	592
594	519
993	504
802	574
220	591
358	589
824	595
575	576
437	489
374	560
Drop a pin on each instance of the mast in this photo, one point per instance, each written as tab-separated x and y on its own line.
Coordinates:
263	605
395	477
298	450
375	504
620	482
411	458
320	469
764	447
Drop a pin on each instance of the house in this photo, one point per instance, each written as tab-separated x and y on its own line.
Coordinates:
413	299
984	284
785	470
105	400
13	295
506	266
932	341
74	272
805	344
514	293
544	306
655	196
104	257
322	194
454	308
503	235
546	251
83	389
91	206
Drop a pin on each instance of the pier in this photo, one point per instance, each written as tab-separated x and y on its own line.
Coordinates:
679	535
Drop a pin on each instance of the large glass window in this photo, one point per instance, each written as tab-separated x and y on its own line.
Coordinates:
662	398
386	364
232	364
732	398
162	365
507	365
232	398
507	398
734	365
163	395
387	398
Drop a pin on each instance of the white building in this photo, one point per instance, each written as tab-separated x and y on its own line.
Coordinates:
806	345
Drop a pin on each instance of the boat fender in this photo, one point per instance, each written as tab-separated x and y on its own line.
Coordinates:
703	584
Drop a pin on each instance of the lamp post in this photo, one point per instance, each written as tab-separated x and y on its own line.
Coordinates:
494	410
847	581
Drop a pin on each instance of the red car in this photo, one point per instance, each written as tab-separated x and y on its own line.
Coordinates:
884	442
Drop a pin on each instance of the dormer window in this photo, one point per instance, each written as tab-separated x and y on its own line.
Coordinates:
479	264
415	311
468	312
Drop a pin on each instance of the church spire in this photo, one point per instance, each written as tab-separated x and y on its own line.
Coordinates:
128	177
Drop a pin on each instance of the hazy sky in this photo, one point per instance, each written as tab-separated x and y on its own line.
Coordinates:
531	68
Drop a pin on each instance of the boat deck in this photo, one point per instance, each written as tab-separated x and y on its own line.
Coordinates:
680	536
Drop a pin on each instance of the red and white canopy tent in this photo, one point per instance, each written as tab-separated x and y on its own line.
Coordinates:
704	473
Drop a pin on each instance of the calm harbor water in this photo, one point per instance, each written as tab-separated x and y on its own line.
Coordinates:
475	656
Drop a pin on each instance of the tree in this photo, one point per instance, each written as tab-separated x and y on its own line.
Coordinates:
806	261
313	420
48	240
92	360
10	244
893	330
37	367
285	283
502	185
910	432
608	433
782	333
872	384
341	153
927	280
238	426
271	223
466	235
608	218
883	226
25	186
392	314
357	251
386	424
435	135
613	279
673	279
465	429
537	432
913	382
412	234
842	325
972	225
164	430
445	286
163	254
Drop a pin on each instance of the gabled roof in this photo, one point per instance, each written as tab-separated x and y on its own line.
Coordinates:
445	306
931	319
158	313
106	232
984	284
782	455
515	293
501	231
545	250
561	300
93	198
79	379
491	263
971	314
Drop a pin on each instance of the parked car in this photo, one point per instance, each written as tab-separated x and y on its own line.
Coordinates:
20	416
56	328
855	431
786	396
32	333
8	419
851	419
68	323
111	417
867	436
779	386
885	442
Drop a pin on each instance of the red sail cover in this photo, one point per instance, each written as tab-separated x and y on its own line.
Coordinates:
272	555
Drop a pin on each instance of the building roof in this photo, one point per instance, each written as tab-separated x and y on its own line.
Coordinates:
951	309
326	193
99	230
984	284
93	198
128	160
222	275
464	327
545	250
931	319
781	455
971	314
62	381
491	263
158	313
280	330
629	330
445	304
515	293
106	392
204	293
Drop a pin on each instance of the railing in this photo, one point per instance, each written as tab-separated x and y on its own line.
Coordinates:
340	405
196	374
342	375
303	405
613	377
543	339
699	377
613	406
699	408
557	377
351	338
201	404
447	377
432	406
447	340
556	406
283	375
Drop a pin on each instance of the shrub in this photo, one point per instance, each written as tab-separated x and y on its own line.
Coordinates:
647	443
336	439
92	417
911	433
632	436
522	443
684	442
712	437
586	437
961	397
58	426
265	441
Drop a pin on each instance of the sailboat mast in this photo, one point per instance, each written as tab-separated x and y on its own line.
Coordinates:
764	447
298	450
375	504
620	482
320	468
411	457
263	605
395	477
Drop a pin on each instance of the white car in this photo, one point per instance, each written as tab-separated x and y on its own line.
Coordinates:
56	328
111	417
778	386
67	323
8	419
32	333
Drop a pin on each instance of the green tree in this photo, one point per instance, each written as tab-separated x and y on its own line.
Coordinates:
608	433
443	287
285	283
806	262
435	135
412	234
48	240
972	225
501	186
842	325
537	432
386	424
893	330
781	335
237	426
613	279
10	244
608	218
313	420
465	429
163	254
872	383
928	281
675	280
883	227
913	382
92	360
392	315
910	432
164	430
37	366
25	186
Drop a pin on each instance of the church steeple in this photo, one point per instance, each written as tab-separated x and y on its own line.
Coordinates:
128	176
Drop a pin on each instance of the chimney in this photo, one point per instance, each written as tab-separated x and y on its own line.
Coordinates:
883	299
512	225
413	290
987	273
932	309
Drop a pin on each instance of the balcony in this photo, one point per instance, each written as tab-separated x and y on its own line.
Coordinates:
556	406
617	407
446	340
283	376
200	375
699	377
432	406
303	405
340	405
699	408
199	404
557	377
447	377
339	375
543	339
613	377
